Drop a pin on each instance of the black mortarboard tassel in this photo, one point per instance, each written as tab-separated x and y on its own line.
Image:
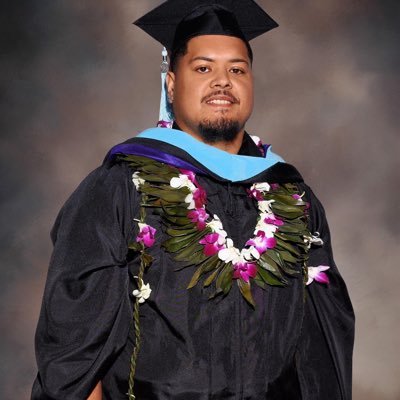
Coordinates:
176	21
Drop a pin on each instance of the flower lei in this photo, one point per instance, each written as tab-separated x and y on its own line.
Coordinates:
281	237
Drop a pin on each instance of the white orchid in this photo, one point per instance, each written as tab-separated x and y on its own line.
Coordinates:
182	181
143	293
316	273
314	240
216	226
261	187
137	180
250	254
230	254
190	201
265	206
256	140
269	229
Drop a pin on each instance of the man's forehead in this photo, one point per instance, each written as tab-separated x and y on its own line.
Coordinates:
215	47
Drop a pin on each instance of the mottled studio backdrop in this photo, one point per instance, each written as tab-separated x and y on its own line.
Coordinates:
77	78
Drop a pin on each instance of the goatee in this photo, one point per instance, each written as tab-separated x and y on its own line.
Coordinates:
220	130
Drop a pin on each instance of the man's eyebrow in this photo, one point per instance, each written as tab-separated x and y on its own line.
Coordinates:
233	60
239	60
201	58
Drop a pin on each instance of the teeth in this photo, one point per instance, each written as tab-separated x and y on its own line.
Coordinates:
219	102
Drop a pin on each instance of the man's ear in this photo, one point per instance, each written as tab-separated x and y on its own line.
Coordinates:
170	81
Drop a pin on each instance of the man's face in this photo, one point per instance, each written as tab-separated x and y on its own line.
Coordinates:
212	87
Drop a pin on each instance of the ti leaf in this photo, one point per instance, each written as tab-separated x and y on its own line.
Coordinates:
147	259
269	279
245	289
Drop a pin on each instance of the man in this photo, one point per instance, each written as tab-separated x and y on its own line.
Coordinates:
218	246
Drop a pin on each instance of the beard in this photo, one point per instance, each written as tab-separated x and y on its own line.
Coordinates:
219	130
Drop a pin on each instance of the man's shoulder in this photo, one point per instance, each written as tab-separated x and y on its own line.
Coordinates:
108	181
281	172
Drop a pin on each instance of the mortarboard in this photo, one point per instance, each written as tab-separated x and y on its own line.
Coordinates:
174	22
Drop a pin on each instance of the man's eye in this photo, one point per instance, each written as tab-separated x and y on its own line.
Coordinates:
202	70
237	71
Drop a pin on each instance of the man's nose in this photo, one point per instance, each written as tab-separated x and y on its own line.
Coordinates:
221	79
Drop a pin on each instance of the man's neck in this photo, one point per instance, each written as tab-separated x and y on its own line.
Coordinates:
232	147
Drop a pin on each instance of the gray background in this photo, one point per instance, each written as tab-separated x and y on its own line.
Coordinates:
77	78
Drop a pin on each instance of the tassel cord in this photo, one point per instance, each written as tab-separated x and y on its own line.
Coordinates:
136	321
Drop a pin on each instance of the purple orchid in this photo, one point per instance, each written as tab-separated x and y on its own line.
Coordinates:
190	174
272	220
261	242
146	235
199	217
316	273
213	243
244	270
299	198
256	194
199	197
164	124
274	186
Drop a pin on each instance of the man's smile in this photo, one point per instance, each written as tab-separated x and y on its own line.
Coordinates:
218	99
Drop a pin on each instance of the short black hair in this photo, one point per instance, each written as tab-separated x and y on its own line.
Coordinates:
181	49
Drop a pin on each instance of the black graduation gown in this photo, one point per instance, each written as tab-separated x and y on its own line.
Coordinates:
297	343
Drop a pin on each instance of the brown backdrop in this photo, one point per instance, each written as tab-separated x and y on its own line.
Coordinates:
77	78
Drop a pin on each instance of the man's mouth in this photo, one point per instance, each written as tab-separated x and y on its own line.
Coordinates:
221	102
221	99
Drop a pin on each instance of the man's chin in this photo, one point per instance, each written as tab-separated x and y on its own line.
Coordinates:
219	130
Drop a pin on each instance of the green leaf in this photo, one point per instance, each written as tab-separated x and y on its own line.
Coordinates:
170	195
178	243
275	257
155	168
215	294
195	278
290	271
210	279
289	237
284	199
224	280
259	282
181	232
189	252
175	211
196	259
136	160
160	178
292	227
135	246
268	264
147	259
287	216
182	221
245	289
286	256
282	264
269	279
205	266
280	244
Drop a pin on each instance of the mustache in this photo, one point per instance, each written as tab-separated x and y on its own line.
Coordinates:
224	93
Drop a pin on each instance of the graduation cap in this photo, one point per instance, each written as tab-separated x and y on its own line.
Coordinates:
174	22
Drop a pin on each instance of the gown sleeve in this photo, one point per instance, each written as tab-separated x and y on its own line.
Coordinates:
326	343
86	311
